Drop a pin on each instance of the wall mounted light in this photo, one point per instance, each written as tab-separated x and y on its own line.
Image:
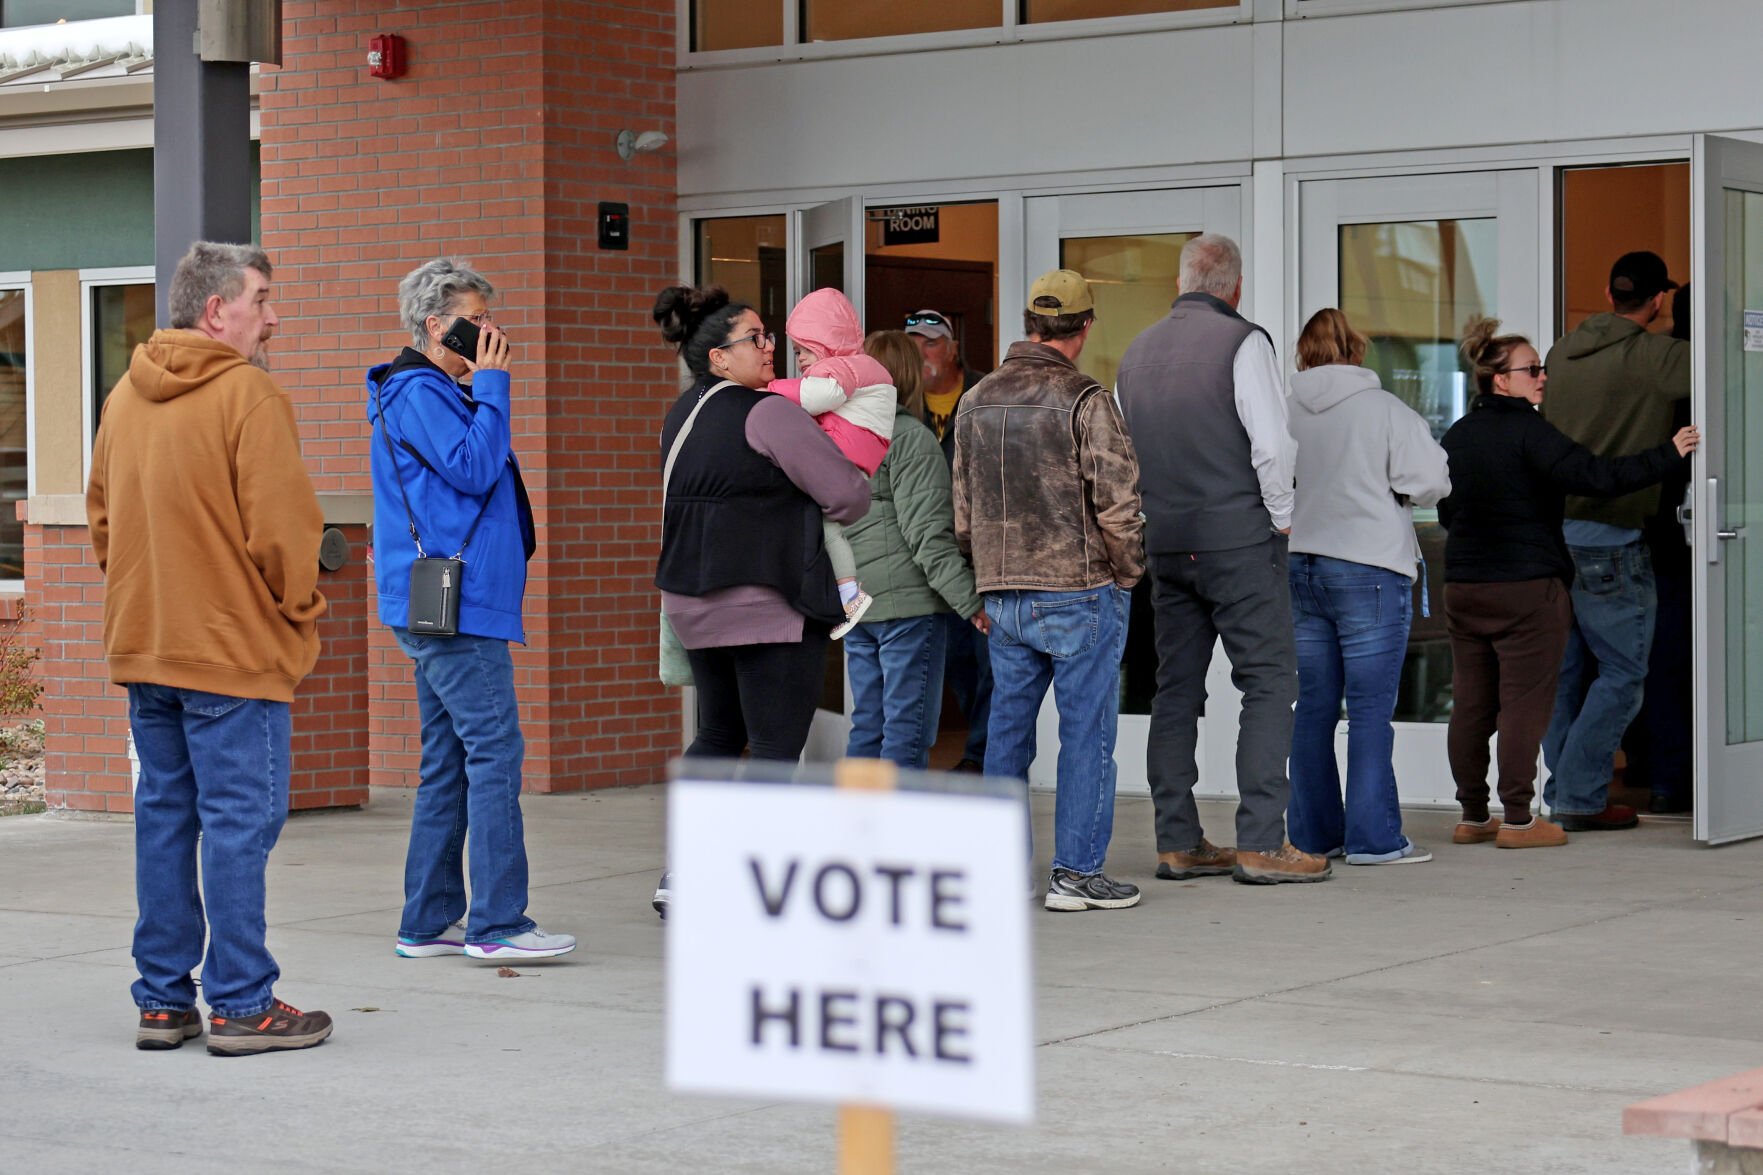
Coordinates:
631	143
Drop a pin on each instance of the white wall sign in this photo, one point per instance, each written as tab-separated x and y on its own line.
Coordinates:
1753	330
850	946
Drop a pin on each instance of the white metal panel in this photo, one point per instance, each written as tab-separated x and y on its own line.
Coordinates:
976	111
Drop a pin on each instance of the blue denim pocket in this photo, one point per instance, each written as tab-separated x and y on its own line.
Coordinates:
210	705
1598	574
1355	604
1068	627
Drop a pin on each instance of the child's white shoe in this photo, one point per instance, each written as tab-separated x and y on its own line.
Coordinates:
854	612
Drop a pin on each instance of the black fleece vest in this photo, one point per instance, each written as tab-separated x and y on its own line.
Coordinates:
1177	391
731	517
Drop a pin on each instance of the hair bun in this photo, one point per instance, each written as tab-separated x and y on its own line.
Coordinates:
1478	334
679	310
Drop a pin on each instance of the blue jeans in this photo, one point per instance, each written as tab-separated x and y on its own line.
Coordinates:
1351	623
1073	641
968	670
471	757
895	668
1614	600
214	780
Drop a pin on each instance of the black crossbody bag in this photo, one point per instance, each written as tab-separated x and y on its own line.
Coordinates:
435	582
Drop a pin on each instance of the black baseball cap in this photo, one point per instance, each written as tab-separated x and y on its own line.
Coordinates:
1638	276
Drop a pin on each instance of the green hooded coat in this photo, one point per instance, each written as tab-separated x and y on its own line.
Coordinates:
1612	387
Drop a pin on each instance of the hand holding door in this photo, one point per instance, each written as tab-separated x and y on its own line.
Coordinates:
1687	440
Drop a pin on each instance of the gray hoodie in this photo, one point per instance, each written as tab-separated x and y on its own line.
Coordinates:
1365	459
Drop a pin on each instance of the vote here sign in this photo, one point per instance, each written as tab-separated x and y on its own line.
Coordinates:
850	946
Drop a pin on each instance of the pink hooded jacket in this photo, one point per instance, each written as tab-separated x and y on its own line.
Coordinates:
850	393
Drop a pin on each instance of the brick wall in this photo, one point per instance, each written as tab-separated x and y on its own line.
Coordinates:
85	718
497	147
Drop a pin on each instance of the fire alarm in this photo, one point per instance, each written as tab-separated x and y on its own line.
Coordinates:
385	56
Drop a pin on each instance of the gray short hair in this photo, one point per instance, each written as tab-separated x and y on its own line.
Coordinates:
432	288
1212	264
210	268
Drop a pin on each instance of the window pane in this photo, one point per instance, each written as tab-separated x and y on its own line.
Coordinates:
736	24
13	472
1743	487
14	13
122	319
1133	280
843	20
1040	11
1608	211
745	256
1410	286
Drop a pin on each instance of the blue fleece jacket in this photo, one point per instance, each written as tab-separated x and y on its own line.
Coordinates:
464	442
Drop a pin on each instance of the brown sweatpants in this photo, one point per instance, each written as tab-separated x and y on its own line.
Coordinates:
1506	645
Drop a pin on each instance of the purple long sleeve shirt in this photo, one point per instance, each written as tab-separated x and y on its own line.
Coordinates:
751	614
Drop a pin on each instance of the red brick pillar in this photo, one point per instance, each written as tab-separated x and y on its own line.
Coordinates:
330	707
497	147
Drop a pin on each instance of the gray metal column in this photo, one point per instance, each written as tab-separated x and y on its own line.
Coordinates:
201	145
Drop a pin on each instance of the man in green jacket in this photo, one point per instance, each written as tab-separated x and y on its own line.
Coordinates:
1613	387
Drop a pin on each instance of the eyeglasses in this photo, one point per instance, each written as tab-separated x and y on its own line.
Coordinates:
1534	370
483	319
762	339
927	320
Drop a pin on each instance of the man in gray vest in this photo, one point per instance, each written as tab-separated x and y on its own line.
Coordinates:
1205	408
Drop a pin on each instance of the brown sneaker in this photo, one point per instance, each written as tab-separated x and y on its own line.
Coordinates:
1206	861
281	1027
1538	834
161	1029
1289	864
1468	832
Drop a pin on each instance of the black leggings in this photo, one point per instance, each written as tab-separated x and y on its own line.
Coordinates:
758	696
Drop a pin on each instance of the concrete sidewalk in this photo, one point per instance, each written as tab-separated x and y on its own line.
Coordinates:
1489	1012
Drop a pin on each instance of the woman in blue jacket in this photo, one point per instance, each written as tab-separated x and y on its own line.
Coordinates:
445	483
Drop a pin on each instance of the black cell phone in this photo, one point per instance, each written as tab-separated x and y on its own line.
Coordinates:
461	338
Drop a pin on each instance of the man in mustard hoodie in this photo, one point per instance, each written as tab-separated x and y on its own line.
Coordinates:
206	528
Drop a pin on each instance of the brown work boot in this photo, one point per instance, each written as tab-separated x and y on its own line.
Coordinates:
280	1027
1288	864
1206	861
1538	834
1468	832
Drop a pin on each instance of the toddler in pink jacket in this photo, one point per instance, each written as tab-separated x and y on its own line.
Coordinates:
851	396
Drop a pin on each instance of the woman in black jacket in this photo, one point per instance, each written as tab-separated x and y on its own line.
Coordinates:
1507	575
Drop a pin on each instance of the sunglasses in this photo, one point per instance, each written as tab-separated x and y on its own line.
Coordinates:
927	320
1534	370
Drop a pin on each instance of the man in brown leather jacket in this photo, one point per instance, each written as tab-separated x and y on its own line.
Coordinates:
1047	507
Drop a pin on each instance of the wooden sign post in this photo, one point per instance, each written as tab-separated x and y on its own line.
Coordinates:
866	1134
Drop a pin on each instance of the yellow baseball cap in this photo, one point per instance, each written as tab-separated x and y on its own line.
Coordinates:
1063	291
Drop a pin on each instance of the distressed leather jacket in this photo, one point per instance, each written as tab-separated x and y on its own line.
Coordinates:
1046	481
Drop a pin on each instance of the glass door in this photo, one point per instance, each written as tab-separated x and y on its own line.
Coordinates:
828	254
1128	245
1410	259
1727	488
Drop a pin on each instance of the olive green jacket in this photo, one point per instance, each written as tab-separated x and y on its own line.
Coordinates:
905	546
1613	387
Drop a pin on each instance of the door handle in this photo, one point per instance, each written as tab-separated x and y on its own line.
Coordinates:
1718	531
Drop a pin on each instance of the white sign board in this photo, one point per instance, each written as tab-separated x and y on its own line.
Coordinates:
850	946
1754	330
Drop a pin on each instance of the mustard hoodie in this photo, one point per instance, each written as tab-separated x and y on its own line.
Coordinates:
205	525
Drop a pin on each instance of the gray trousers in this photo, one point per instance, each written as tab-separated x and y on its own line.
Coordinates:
1244	597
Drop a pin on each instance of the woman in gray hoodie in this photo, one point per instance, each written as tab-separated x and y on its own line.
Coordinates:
1365	459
